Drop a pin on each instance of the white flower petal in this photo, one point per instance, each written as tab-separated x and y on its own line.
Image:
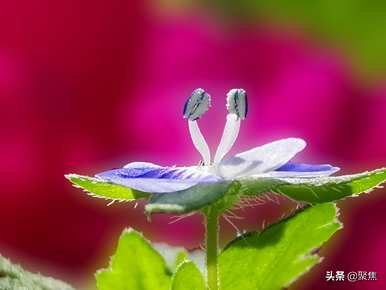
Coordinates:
261	159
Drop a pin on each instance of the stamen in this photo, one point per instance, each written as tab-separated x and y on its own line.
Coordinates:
199	141
237	106
237	103
229	136
197	104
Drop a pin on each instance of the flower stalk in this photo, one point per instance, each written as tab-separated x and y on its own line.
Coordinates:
211	240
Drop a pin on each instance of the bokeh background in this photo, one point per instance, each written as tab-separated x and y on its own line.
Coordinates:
90	85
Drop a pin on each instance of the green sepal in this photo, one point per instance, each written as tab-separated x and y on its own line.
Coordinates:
316	190
102	189
188	200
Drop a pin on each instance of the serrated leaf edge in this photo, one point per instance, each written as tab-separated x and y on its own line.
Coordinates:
311	253
124	232
89	193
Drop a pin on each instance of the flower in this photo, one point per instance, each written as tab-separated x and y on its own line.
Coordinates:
269	160
220	182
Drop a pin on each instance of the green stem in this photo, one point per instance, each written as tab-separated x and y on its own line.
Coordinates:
212	248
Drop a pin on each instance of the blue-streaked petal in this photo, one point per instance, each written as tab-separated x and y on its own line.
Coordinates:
152	178
302	167
261	159
292	169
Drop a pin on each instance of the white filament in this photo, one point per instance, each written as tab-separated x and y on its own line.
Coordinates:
229	136
199	141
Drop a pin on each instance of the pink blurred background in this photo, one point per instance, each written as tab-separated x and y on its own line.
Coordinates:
90	85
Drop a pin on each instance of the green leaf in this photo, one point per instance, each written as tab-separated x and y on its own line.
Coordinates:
190	199
274	258
13	277
172	255
316	190
102	189
188	276
134	266
180	258
175	256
